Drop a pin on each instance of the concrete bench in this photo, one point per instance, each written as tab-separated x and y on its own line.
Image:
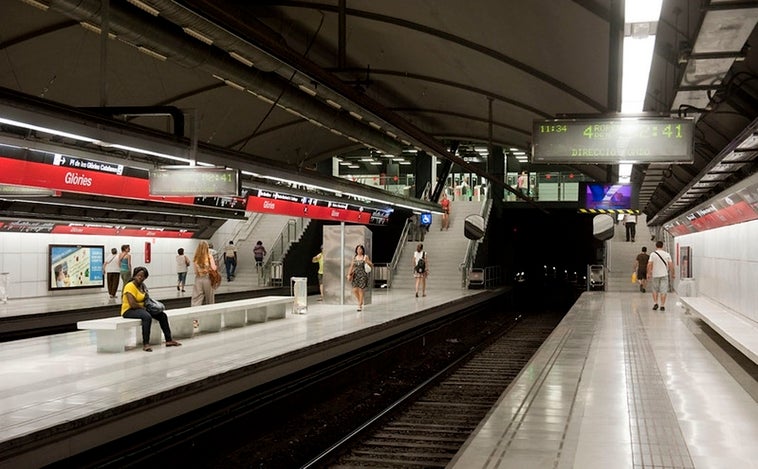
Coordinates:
736	329
112	334
238	313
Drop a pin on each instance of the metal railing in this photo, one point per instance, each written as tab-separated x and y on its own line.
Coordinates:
272	270
392	268
243	230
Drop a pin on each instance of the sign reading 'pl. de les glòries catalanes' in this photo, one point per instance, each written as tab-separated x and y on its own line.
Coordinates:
613	140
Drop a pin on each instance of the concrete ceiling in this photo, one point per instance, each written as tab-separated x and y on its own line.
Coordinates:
299	82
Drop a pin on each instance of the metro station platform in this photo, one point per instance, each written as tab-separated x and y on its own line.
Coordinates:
618	385
59	396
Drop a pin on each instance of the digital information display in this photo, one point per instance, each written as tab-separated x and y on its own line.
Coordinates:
613	140
195	181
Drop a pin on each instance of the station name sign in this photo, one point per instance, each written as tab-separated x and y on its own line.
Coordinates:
613	140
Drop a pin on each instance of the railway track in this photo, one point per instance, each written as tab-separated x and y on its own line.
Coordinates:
429	425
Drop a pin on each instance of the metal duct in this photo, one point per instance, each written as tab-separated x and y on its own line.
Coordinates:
130	27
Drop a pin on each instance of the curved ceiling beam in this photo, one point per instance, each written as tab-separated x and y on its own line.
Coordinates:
53	28
499	56
159	35
462	116
456	85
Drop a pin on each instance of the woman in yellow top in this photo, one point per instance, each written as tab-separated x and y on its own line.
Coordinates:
133	306
202	291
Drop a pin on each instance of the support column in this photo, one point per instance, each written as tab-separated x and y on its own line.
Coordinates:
496	167
423	172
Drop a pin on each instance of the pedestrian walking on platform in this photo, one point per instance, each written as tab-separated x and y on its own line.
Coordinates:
660	270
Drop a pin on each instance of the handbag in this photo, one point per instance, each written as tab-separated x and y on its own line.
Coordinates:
215	278
154	306
367	268
634	277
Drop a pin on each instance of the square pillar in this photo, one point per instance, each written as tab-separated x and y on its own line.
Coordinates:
338	257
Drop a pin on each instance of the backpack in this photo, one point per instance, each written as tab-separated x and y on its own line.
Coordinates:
421	264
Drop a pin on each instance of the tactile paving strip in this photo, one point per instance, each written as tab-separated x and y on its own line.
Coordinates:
657	440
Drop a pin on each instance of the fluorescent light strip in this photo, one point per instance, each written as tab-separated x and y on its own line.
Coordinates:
375	125
49	131
198	35
147	152
241	58
92	28
356	115
36	4
144	7
307	90
234	85
152	53
333	104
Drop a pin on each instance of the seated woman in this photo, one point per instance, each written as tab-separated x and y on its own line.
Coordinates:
133	306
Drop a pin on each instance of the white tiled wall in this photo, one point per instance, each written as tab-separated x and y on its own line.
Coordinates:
725	265
24	257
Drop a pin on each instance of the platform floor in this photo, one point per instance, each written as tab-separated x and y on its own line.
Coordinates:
618	385
56	380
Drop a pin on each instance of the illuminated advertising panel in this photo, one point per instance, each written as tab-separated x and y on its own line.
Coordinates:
75	266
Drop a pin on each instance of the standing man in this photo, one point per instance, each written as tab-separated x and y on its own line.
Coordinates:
630	221
230	260
660	269
319	259
640	266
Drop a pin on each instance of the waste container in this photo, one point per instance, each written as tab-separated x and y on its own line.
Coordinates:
299	290
595	277
4	286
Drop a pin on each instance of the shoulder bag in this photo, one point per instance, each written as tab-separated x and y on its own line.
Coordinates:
154	306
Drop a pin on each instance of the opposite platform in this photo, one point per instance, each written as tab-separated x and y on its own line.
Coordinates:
618	385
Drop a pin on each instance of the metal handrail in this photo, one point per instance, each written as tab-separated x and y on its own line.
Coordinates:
291	233
243	230
399	250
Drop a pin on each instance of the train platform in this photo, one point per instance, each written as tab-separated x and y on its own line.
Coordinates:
620	385
59	396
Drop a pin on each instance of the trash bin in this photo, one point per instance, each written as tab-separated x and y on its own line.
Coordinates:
299	290
4	286
595	277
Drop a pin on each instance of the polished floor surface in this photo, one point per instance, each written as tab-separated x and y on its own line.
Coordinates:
619	385
53	380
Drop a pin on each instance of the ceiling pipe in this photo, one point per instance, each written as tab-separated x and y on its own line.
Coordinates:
112	111
130	26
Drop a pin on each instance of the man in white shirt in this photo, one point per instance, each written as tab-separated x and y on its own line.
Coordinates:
230	260
630	222
660	270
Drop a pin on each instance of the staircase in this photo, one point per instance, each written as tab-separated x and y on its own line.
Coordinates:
445	251
621	256
259	227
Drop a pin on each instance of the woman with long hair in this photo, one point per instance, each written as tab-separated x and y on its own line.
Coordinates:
202	291
358	276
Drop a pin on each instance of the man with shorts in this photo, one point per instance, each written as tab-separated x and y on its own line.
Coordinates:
660	270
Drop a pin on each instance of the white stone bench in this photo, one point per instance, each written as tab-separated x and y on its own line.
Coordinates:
113	333
238	313
736	329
